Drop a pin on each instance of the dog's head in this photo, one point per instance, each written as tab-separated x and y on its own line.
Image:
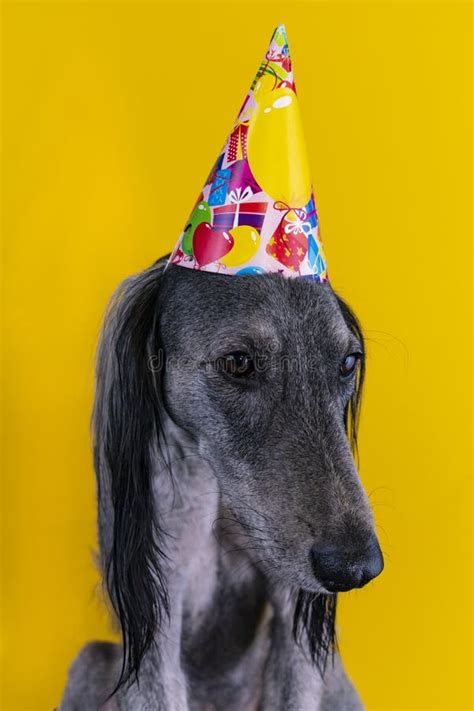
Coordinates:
265	374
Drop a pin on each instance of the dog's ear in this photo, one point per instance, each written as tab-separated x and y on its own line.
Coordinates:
126	424
315	614
352	413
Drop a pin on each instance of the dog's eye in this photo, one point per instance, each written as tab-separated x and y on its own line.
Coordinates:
349	364
237	364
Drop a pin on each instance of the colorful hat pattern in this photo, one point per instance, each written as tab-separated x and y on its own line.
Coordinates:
256	213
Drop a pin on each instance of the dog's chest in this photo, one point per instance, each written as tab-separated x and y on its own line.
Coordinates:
225	645
237	687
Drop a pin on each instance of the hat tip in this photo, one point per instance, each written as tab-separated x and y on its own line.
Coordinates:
280	28
279	35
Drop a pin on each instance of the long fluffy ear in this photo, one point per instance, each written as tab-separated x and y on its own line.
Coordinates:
315	614
126	425
315	619
352	413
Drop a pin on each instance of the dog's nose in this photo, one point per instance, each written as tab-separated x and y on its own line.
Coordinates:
339	570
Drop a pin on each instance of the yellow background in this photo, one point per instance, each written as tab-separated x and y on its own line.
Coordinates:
113	115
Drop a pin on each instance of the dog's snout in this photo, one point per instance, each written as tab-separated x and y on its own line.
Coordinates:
342	569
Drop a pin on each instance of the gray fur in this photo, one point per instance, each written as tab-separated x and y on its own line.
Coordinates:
260	475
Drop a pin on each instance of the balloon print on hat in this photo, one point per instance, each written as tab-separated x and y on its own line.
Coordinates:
251	271
246	244
277	149
210	245
200	214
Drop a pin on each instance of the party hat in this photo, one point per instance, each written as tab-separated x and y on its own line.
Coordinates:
256	213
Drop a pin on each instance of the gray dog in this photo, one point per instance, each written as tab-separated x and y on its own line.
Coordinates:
230	509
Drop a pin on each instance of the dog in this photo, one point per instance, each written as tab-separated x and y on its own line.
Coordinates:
230	510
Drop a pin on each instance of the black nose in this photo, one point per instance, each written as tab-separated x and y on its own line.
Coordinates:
339	569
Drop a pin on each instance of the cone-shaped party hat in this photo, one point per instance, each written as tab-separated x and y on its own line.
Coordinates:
256	213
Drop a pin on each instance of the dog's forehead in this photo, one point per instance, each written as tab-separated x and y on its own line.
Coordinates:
263	306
